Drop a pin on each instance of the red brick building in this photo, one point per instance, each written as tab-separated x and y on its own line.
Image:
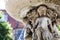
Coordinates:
15	24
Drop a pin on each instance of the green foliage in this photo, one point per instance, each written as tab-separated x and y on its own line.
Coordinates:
1	14
59	27
5	30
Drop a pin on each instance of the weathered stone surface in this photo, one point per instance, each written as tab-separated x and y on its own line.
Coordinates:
41	15
14	7
44	26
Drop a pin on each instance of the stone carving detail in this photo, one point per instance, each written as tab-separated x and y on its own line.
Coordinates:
40	22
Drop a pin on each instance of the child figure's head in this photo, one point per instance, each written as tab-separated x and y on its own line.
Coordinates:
42	10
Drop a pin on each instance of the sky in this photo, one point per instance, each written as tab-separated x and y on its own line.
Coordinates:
4	16
2	4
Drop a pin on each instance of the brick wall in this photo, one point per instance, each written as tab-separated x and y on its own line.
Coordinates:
13	22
